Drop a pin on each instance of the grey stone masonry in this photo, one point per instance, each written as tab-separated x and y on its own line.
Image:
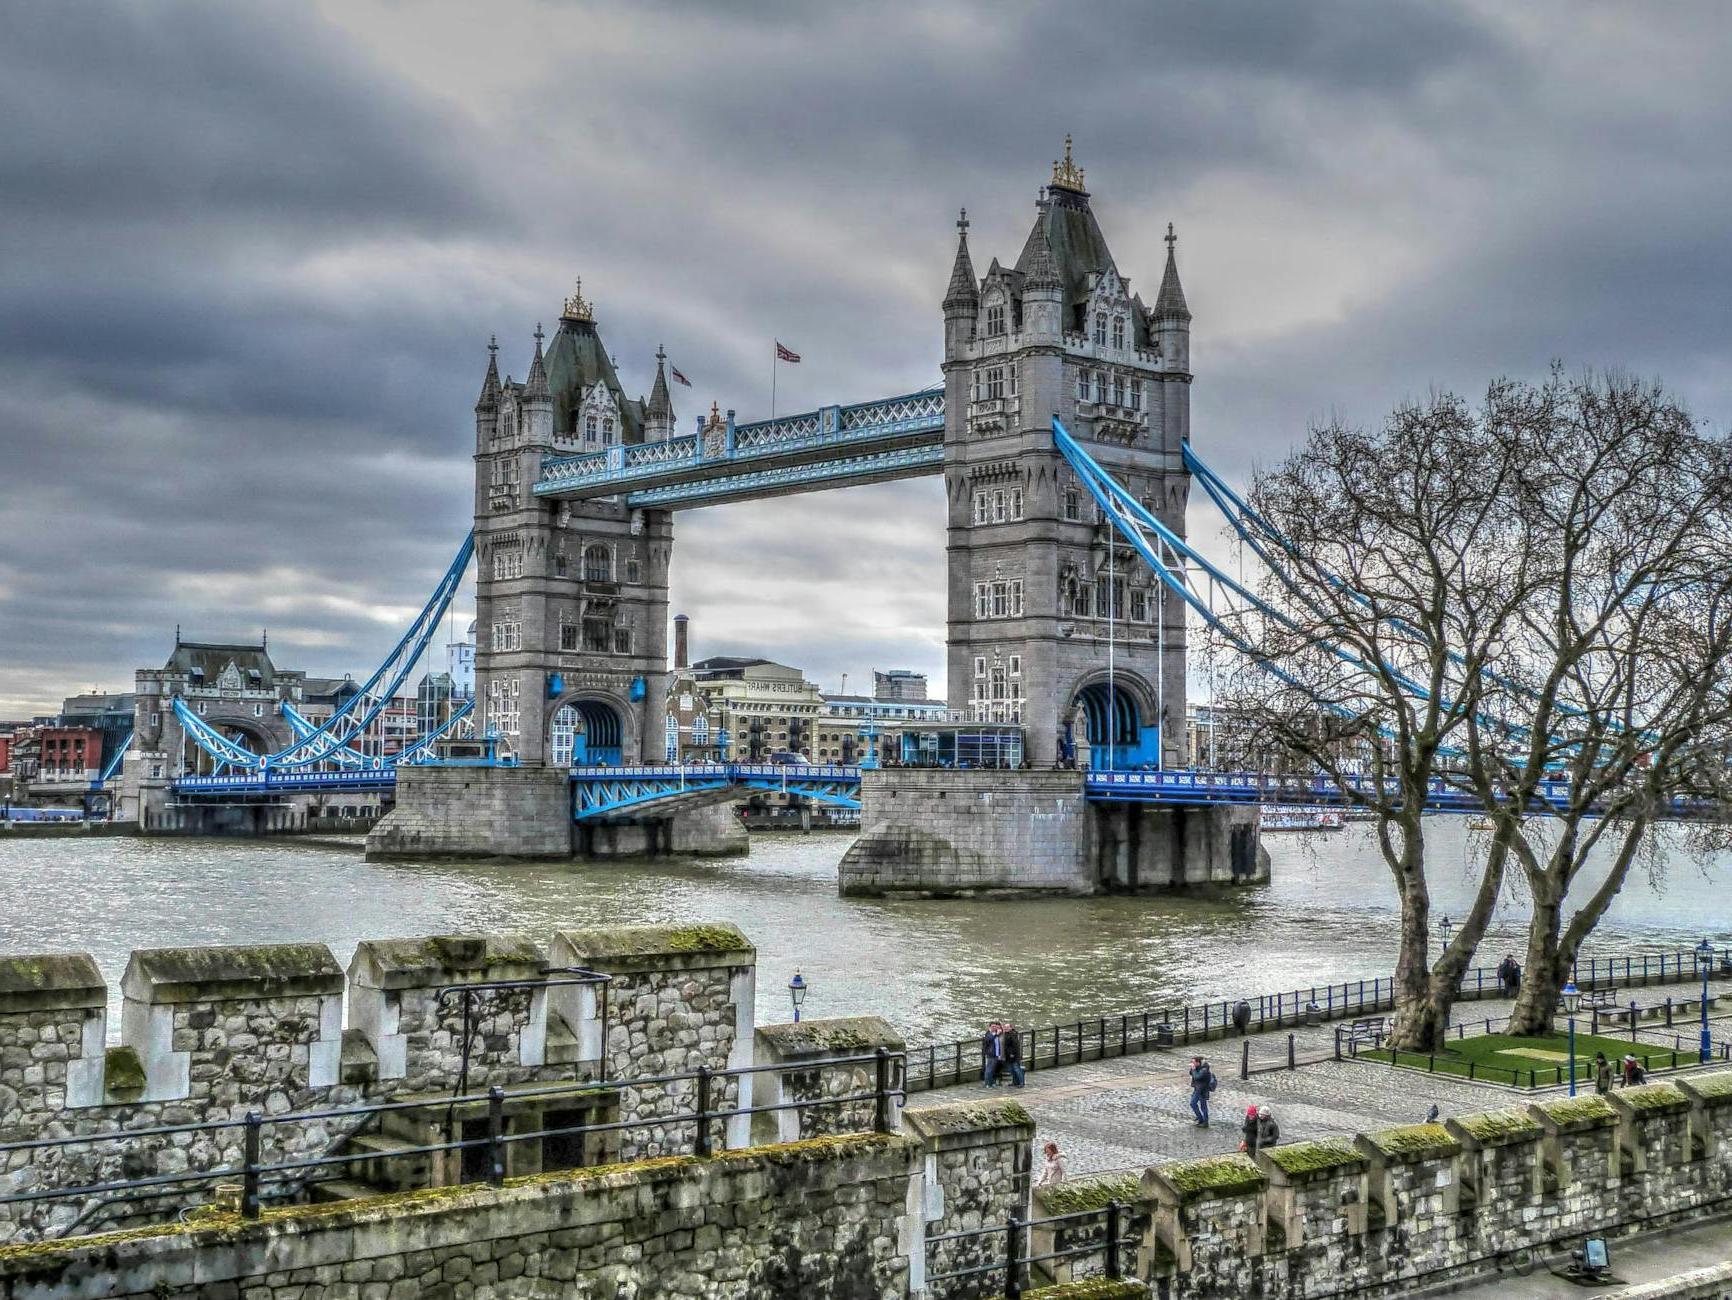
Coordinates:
943	832
780	1223
976	1175
1429	1204
798	1046
394	1000
518	812
53	1030
680	998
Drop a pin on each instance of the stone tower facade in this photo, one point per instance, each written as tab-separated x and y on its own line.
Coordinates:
571	596
1053	623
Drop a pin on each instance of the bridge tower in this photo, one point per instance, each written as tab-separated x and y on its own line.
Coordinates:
571	596
1053	622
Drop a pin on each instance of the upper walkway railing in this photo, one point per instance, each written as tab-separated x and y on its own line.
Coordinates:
606	791
885	438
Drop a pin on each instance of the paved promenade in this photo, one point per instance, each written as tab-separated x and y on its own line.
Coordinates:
1133	1111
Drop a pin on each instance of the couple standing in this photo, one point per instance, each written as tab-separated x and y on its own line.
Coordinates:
1000	1049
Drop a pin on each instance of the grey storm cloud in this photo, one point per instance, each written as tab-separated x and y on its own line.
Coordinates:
253	255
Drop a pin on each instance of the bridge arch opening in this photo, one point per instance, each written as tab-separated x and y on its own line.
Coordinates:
1114	716
585	732
248	734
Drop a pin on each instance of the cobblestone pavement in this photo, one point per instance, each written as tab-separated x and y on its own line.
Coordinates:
1130	1112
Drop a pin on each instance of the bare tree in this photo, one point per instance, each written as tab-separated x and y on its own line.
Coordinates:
1612	690
1392	584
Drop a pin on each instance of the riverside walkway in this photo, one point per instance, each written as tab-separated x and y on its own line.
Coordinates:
1128	1112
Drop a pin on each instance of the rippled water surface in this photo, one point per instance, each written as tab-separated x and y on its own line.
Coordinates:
934	968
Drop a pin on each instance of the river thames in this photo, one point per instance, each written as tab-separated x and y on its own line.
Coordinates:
936	969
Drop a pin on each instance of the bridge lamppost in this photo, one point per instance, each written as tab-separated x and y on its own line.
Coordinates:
797	994
1572	999
1705	959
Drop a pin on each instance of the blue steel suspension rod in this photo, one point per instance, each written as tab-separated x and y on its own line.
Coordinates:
1235	510
343	756
408	651
212	741
113	766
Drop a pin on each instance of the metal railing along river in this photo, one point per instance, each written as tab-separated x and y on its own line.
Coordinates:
1095	1038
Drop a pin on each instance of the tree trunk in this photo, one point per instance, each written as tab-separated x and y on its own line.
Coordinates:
1418	1025
1545	970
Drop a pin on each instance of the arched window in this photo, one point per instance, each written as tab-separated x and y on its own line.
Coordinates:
673	738
562	735
700	730
589	429
1118	331
597	564
607	432
995	320
1101	328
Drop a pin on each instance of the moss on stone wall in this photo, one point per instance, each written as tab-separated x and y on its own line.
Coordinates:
1499	1127
1579	1112
1094	1288
1078	1194
1230	1175
1415	1142
1654	1098
1310	1159
969	1117
123	1073
1712	1088
706	938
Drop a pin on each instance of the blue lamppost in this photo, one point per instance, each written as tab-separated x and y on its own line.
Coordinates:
1705	959
1572	1000
797	994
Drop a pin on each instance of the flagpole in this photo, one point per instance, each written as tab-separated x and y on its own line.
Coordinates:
775	356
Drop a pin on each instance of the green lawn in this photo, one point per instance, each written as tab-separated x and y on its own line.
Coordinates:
1529	1062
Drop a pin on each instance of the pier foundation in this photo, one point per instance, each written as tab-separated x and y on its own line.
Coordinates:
941	832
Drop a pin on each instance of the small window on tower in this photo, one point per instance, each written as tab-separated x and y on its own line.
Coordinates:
995	320
1118	331
567	637
1072	505
1082	385
1100	328
589	430
632	571
995	381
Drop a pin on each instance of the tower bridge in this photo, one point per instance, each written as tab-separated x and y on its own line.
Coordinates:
1056	625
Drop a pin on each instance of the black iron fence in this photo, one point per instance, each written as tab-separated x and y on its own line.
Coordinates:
1012	1269
256	1179
940	1065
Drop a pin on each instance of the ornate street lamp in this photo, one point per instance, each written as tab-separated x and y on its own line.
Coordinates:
1705	959
1572	1000
1444	927
797	994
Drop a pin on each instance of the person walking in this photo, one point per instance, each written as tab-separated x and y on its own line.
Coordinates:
990	1048
1633	1071
1010	1051
1052	1172
1242	1016
1248	1142
1202	1084
1602	1074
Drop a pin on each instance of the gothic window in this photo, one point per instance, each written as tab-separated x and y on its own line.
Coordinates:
994	382
597	564
597	635
567	636
1118	390
1136	394
982	600
632	571
1013	371
559	565
1082	385
1101	597
607	432
1016	503
995	320
1072	505
589	431
980	507
1139	606
507	563
980	665
1016	665
1118	331
1101	328
562	735
507	635
700	730
1000	600
1100	386
673	737
622	640
1016	598
999	506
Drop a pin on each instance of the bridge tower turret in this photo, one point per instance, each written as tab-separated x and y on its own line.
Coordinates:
571	596
1053	622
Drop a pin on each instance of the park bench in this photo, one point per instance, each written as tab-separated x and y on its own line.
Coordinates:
1605	999
1369	1029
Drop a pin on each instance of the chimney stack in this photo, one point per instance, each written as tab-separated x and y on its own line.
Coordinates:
681	645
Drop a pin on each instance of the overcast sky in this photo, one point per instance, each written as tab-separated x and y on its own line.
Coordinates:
253	253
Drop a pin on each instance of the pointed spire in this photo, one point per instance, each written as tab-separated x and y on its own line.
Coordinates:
964	290
1170	302
660	405
490	386
536	384
1037	264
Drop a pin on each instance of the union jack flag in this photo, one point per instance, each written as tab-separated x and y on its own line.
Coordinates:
782	353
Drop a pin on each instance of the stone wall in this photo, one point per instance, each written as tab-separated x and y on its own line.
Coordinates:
975	1175
517	812
940	832
797	1048
818	1218
209	1034
682	997
1436	1203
